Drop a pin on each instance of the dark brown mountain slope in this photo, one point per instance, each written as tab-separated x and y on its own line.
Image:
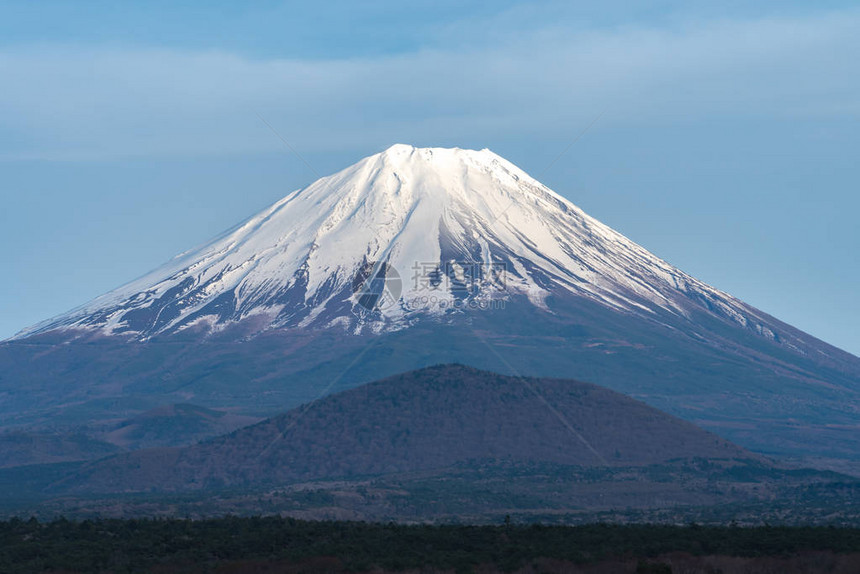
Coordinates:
422	420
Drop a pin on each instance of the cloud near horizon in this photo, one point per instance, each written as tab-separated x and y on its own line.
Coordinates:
97	103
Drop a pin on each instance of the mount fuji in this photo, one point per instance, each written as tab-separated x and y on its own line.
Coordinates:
418	256
468	226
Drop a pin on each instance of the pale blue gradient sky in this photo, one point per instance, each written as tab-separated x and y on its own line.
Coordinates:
729	143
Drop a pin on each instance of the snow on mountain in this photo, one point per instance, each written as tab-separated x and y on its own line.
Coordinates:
404	235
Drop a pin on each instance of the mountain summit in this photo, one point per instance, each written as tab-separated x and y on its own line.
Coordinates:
405	234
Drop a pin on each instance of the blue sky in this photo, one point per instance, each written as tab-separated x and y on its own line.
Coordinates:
728	141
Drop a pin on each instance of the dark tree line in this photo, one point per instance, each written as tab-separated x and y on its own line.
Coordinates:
201	545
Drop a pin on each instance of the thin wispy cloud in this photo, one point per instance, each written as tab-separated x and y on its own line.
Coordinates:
95	103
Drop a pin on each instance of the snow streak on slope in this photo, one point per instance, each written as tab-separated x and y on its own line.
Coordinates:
463	229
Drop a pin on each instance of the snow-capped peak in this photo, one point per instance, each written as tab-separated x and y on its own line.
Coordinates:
405	234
